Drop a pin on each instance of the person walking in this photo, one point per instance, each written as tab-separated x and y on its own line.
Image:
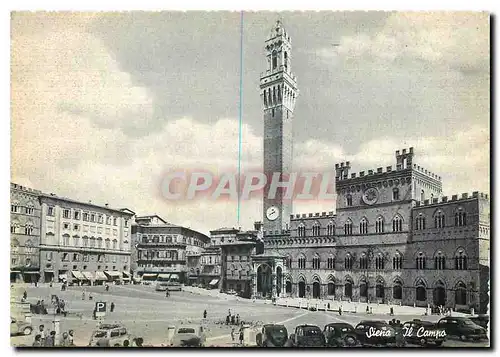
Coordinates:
228	318
50	341
38	341
43	334
340	310
83	294
241	336
205	314
233	320
237	319
64	340
232	334
25	295
71	337
112	306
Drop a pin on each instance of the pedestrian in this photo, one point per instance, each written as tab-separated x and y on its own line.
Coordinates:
71	338
228	318
25	295
112	306
367	309
340	311
36	284
90	296
166	293
64	340
241	336
391	311
205	314
50	341
38	341
83	294
237	319
229	312
94	314
107	287
328	306
43	334
232	334
233	320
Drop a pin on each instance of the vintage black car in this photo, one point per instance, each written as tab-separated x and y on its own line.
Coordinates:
379	333
307	336
463	328
272	336
481	320
424	333
340	335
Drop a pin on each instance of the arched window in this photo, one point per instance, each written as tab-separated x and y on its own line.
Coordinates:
331	229
348	227
397	224
397	262
379	225
395	194
316	229
348	262
379	262
106	242
363	226
115	244
331	262
85	241
439	220
288	262
14	227
397	290
348	288
28	229
422	196
460	294
460	260
363	288
420	222
275	60
301	230
420	261
316	261
92	242
439	261
363	262
302	262
349	200
460	218
66	239
286	61
14	246
99	242
421	291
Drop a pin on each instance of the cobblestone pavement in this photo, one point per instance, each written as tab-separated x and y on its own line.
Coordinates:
148	314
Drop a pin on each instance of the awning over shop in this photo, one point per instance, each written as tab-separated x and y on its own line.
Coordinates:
149	276
99	275
88	275
163	276
78	275
214	282
113	274
126	276
31	272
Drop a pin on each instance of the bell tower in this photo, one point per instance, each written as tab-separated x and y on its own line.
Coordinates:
278	91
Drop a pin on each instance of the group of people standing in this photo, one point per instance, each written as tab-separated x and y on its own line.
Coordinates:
43	338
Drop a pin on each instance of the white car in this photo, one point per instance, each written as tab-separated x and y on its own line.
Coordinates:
188	336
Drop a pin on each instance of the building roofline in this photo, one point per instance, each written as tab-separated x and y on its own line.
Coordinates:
70	200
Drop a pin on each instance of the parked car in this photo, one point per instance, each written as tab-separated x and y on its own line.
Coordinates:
272	336
20	327
423	333
463	328
161	287
340	335
307	336
375	333
481	320
114	334
188	336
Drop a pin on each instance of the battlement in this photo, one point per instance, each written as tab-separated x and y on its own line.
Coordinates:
23	188
426	172
311	215
454	198
376	172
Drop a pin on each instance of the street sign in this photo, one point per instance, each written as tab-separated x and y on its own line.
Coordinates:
100	309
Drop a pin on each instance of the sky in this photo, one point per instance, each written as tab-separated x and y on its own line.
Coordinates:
104	104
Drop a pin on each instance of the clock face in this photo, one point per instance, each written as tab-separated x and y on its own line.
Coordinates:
370	196
272	213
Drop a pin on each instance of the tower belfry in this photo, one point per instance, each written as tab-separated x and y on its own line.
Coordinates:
278	90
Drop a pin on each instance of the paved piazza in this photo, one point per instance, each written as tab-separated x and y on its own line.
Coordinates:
148	314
